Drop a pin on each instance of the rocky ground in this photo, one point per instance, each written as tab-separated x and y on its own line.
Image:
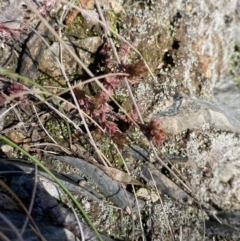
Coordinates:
171	173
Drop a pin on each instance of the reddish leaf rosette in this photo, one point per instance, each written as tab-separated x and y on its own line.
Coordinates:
154	131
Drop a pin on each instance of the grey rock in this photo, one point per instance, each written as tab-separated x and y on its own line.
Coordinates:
228	171
163	183
227	94
47	229
44	206
11	13
192	113
109	187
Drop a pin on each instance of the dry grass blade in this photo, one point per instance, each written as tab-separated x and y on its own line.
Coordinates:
64	149
169	169
165	215
22	206
78	221
4	237
138	209
118	61
12	107
32	200
11	225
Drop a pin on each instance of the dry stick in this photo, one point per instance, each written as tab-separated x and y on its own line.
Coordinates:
21	94
4	237
65	13
87	116
167	167
34	108
60	114
73	106
42	150
133	225
180	234
204	226
81	84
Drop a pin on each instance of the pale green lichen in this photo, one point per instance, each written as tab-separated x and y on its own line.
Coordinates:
223	149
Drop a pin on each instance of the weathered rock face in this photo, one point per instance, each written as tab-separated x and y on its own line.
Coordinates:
11	13
227	94
189	43
189	113
187	46
47	229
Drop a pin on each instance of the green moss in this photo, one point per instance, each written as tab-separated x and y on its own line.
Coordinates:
58	165
234	65
114	20
55	128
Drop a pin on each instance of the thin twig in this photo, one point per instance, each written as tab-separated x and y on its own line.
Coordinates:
135	195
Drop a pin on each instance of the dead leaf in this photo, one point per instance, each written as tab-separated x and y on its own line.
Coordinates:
18	137
118	175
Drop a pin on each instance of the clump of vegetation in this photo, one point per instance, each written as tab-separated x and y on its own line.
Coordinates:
103	119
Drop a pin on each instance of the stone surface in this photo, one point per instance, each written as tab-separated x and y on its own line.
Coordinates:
227	94
187	112
11	13
227	172
47	229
